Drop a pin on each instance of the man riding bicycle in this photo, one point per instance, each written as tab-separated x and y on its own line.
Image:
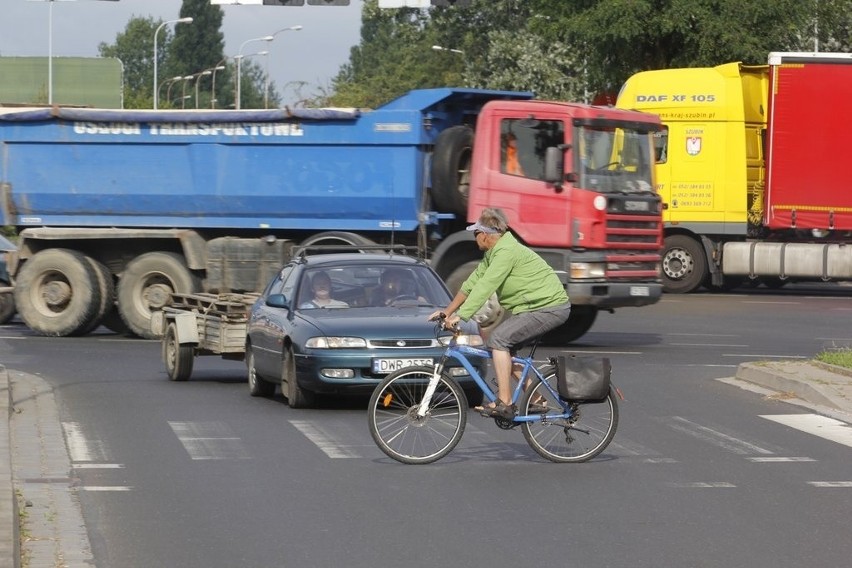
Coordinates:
526	286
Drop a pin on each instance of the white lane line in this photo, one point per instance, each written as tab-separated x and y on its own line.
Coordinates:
764	356
830	483
97	466
716	438
780	460
702	335
323	440
703	485
822	426
105	488
708	345
209	441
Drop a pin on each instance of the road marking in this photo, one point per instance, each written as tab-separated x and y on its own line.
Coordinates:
830	483
105	488
703	485
97	465
779	460
715	437
209	441
762	356
81	449
323	440
708	345
822	426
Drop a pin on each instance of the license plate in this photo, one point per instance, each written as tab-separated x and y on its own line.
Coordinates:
390	365
640	291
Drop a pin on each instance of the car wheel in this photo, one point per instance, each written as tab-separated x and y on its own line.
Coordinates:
297	397
257	386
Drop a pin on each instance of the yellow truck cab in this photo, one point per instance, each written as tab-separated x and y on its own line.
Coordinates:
708	173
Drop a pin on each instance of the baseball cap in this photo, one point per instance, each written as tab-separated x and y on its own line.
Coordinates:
480	227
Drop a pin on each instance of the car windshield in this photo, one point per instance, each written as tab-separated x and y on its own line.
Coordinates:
361	286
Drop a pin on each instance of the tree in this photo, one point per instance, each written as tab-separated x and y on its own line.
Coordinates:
134	48
183	50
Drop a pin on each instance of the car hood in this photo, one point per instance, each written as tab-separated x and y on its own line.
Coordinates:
375	322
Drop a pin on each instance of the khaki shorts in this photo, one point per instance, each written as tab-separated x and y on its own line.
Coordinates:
520	329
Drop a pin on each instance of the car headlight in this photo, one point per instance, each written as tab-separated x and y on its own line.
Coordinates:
335	342
587	270
474	340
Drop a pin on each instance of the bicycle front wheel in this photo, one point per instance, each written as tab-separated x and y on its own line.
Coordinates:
400	432
579	438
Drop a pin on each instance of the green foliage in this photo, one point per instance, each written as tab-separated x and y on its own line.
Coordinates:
135	49
842	357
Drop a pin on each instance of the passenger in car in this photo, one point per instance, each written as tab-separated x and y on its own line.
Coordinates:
321	287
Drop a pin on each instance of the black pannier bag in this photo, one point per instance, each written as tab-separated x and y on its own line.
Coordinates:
583	379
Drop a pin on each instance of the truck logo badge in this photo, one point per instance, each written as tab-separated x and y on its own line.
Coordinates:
693	145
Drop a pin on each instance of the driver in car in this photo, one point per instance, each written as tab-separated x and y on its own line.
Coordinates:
395	284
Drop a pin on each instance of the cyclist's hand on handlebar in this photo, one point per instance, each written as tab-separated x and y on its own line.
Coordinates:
439	315
451	322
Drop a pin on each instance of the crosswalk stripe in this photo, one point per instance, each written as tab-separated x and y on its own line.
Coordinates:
324	440
715	437
209	440
822	426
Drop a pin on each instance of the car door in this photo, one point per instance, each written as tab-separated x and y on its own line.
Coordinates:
269	325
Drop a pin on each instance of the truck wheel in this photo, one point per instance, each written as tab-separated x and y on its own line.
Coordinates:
147	285
684	265
489	315
113	322
106	286
178	357
297	397
7	305
57	293
331	238
451	169
579	322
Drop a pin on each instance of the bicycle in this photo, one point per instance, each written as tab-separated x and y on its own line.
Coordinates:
417	415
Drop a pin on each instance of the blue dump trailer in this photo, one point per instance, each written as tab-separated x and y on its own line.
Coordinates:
115	210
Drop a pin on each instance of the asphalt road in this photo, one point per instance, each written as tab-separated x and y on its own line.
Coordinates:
700	473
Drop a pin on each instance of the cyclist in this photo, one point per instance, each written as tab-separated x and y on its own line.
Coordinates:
526	286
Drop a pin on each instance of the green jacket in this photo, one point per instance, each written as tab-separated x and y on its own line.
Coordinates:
522	280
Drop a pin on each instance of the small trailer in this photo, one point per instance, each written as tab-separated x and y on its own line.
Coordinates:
202	324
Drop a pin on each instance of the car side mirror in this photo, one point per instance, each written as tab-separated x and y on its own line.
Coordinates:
277	301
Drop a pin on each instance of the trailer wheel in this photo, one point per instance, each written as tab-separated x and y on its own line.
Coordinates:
579	322
331	238
57	293
178	357
451	169
684	265
7	305
147	285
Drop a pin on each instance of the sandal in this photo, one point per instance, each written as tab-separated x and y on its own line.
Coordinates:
498	410
539	406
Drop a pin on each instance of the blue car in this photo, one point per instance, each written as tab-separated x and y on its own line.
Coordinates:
339	323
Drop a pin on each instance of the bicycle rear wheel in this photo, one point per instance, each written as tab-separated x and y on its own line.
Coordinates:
406	437
569	440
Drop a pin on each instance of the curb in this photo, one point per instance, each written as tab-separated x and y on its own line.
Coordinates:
9	530
815	383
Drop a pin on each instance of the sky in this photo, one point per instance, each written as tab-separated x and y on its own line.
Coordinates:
313	54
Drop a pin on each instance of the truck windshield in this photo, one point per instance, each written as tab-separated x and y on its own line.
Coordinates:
613	159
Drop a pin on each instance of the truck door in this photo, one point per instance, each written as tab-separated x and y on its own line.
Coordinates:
516	180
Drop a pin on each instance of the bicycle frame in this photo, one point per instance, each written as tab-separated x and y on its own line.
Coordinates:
461	352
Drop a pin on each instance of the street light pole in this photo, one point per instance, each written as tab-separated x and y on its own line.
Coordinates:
170	81
198	77
161	26
239	58
266	86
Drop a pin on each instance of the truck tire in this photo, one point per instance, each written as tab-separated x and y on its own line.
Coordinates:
451	169
684	264
57	293
179	358
331	238
106	286
147	285
579	322
489	315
